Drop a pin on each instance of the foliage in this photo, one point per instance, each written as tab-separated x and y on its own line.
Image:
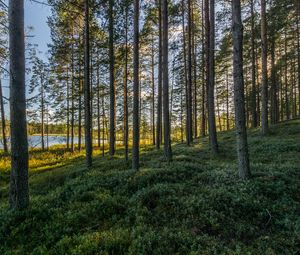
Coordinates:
195	205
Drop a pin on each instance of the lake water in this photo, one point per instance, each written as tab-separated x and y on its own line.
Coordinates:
36	141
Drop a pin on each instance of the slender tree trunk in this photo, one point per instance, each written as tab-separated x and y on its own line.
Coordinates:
3	124
239	101
181	115
293	92
227	100
187	131
125	86
253	68
47	128
159	99
42	115
135	127
87	89
264	80
72	94
298	54
211	81
281	98
98	109
194	57
165	70
153	93
218	112
79	110
19	191
246	96
112	134
189	74
103	122
258	92
287	104
274	102
203	115
68	110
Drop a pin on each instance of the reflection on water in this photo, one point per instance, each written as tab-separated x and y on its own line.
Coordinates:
36	141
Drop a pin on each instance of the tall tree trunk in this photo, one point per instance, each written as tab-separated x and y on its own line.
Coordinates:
125	86
189	74
194	57
298	54
19	191
246	96
98	108
253	68
72	93
218	112
274	102
3	124
47	130
103	122
258	91
153	93
87	89
112	117
185	76
287	104
239	101
135	127
42	115
79	110
227	100
264	80
181	115
68	110
203	115
165	71
159	93
211	81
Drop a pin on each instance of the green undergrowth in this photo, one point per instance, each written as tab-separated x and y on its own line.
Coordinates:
194	205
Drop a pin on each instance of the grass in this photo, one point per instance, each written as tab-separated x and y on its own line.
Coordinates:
195	205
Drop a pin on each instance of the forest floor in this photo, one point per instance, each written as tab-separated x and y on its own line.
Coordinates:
195	205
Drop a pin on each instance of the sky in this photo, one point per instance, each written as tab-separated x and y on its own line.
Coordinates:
36	17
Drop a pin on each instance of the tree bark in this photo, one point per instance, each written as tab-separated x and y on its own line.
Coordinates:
189	75
227	101
165	71
153	93
19	190
68	110
98	108
203	115
287	103
264	80
72	93
211	81
42	113
298	54
159	93
79	110
3	124
185	77
253	68
239	100
87	89
112	118
126	86
135	127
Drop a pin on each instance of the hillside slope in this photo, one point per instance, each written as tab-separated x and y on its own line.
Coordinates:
195	205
